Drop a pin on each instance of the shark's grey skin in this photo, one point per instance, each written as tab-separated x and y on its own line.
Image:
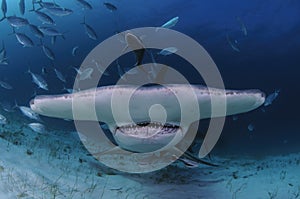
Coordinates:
145	134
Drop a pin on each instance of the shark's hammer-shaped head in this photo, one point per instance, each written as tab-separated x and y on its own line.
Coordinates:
155	117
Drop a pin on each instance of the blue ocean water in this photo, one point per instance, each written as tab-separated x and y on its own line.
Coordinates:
268	57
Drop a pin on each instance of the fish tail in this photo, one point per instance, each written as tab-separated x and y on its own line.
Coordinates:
77	70
198	160
13	32
4	17
33	8
63	35
37	2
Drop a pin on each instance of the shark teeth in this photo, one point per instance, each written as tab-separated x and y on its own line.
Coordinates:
147	129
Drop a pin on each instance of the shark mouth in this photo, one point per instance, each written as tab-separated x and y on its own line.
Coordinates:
147	129
145	136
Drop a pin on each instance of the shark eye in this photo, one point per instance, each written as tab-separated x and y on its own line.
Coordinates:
31	102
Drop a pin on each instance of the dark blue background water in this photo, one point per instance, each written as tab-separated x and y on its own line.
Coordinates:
268	59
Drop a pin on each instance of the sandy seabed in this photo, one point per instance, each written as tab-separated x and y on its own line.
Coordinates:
56	165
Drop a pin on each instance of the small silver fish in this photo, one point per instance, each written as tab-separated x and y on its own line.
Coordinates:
22	7
110	6
171	23
59	11
91	33
60	76
48	52
85	4
270	98
29	113
44	18
36	32
4	9
38	80
251	127
74	51
49	31
234	47
3	120
5	85
37	127
24	40
17	22
85	74
3	51
168	51
47	5
3	58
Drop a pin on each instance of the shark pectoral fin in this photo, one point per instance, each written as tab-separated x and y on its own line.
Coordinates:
189	156
193	158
